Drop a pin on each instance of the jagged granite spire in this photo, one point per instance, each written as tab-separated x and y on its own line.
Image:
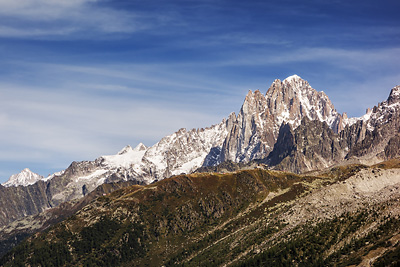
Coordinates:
293	99
259	120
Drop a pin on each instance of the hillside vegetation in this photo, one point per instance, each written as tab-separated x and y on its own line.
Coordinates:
246	218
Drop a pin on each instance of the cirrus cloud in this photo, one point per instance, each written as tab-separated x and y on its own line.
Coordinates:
47	18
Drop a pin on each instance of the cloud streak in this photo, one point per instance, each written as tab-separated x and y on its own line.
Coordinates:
49	18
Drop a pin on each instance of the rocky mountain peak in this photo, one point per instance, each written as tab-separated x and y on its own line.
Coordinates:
140	147
295	81
394	96
128	148
125	150
294	98
256	129
254	102
293	78
25	177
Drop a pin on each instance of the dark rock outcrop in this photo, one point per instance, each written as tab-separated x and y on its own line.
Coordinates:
392	149
312	145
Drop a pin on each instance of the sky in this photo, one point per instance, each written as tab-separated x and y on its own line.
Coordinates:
83	78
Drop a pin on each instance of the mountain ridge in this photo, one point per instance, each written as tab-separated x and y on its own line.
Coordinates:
264	217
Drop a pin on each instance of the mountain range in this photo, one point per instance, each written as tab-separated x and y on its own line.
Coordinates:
292	128
249	135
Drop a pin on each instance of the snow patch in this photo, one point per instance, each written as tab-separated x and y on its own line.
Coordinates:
291	78
191	165
95	174
125	158
54	175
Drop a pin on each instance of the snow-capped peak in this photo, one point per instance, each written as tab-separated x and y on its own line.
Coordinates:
125	150
25	177
292	78
128	149
293	99
394	96
140	147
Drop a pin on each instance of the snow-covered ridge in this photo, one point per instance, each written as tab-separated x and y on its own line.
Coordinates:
125	158
385	109
353	120
181	152
292	78
51	176
379	113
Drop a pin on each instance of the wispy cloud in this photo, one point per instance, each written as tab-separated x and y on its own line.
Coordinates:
354	78
41	9
47	18
347	58
161	81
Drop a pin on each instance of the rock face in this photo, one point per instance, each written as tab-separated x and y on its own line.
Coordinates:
19	201
376	130
256	127
313	145
294	99
392	149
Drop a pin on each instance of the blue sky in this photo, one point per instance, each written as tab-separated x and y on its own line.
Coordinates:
83	78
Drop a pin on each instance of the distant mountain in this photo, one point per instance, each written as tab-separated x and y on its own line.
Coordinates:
25	177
